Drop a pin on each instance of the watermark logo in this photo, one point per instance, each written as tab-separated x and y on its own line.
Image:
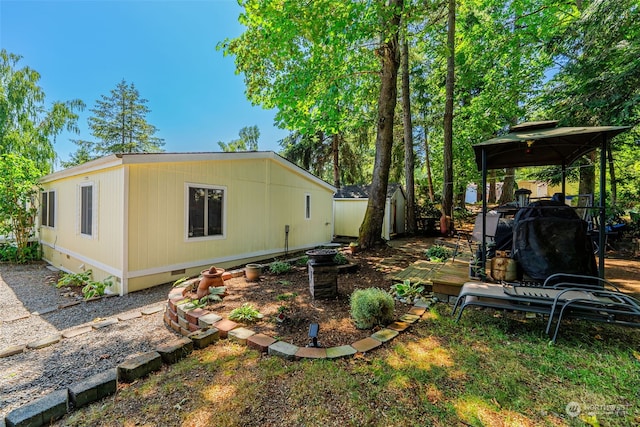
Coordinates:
574	409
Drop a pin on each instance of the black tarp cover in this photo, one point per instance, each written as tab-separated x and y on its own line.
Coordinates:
549	238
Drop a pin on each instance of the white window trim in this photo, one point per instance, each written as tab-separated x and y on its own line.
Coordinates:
222	236
94	211
55	208
307	206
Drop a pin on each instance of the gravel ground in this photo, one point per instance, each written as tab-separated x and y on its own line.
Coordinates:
26	290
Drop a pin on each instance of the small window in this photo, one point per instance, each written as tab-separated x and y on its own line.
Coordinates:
205	211
307	206
86	210
47	209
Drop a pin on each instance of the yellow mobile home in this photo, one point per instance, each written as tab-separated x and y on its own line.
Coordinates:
151	218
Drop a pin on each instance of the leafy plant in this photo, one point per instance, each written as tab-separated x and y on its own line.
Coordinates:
287	296
371	307
180	281
247	313
340	259
279	267
216	293
74	279
406	291
284	282
301	262
96	289
437	253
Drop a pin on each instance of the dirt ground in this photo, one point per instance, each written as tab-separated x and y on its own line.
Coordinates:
371	269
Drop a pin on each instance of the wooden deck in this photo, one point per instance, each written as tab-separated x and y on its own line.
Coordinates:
445	278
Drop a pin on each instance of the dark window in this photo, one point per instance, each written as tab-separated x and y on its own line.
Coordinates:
307	206
47	209
206	212
86	210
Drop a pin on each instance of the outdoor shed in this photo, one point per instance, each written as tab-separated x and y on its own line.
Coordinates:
350	205
152	218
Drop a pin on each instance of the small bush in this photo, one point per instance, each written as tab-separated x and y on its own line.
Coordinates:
406	291
371	307
74	279
302	262
437	253
96	289
279	267
247	313
340	259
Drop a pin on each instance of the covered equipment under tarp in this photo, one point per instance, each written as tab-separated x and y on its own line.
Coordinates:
540	144
549	238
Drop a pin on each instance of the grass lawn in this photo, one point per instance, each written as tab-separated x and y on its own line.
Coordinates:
491	369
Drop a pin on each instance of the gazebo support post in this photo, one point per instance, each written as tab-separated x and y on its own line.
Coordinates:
483	249
601	229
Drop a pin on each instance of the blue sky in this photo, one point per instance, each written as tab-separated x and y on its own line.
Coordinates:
83	48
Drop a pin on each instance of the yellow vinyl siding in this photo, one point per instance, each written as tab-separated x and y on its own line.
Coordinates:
64	247
349	214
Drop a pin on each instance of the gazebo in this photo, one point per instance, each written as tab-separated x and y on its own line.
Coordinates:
540	144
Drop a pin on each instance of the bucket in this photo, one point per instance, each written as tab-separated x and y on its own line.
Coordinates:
504	269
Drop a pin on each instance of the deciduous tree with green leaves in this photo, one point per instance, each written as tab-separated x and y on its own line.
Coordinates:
248	140
27	127
18	200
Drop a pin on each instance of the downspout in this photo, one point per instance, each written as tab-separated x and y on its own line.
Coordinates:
125	232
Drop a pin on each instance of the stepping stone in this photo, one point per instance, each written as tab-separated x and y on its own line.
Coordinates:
384	335
341	351
173	351
205	338
40	412
240	335
224	326
77	331
410	318
152	310
311	353
104	323
260	342
283	349
44	342
128	316
93	388
11	350
399	326
366	344
139	366
208	320
18	317
417	311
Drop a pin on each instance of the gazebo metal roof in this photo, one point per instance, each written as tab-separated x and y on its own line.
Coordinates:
542	144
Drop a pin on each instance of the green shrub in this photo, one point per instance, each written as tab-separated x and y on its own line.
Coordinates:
74	279
406	291
96	289
340	259
371	307
247	313
279	267
301	262
438	253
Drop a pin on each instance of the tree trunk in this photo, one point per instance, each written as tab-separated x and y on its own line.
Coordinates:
371	228
588	174
408	142
447	185
508	187
492	187
427	161
335	149
612	176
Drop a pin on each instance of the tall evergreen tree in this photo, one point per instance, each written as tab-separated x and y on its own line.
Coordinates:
119	125
248	140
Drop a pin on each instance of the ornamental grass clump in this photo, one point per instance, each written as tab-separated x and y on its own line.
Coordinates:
371	307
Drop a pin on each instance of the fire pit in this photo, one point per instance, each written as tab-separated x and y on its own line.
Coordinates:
321	256
323	273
